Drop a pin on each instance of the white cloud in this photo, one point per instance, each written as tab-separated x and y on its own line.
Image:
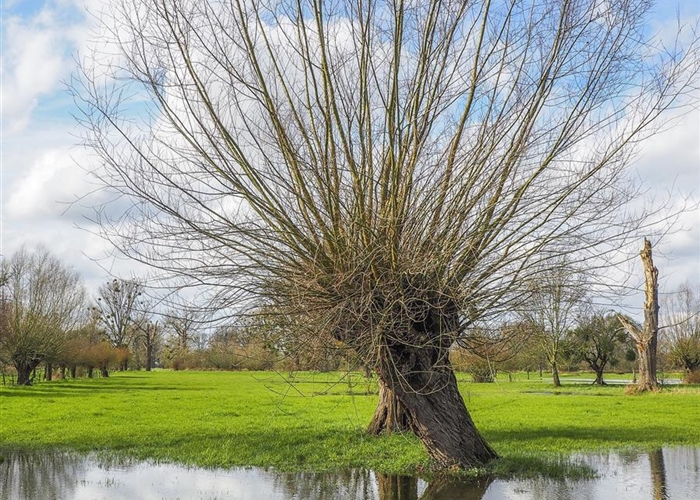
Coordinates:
673	156
53	181
36	58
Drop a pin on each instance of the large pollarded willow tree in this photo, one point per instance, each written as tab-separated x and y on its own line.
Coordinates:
386	173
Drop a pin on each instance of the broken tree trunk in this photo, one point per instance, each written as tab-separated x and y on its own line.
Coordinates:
646	337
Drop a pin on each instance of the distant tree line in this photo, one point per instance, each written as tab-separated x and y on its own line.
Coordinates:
50	328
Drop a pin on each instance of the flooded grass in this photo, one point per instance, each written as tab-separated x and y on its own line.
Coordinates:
315	422
668	474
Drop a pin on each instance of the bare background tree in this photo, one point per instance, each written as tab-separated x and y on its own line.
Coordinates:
42	301
383	174
117	307
148	334
556	300
681	330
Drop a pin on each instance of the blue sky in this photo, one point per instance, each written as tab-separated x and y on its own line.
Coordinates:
40	158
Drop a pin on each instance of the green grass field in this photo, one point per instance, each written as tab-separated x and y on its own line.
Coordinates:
316	421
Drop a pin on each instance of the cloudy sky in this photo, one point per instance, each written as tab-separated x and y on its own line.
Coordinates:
42	167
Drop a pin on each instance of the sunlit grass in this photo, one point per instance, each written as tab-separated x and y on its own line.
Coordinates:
316	421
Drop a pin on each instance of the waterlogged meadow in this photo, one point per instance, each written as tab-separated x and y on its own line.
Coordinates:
315	422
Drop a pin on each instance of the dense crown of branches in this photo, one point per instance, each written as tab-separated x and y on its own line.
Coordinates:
374	164
386	172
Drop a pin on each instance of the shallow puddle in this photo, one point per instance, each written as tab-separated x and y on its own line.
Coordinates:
668	474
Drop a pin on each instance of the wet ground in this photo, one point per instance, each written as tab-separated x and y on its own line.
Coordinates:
668	474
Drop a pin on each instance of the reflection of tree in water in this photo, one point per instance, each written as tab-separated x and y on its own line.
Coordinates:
361	485
658	474
441	488
37	476
353	484
657	467
397	487
454	488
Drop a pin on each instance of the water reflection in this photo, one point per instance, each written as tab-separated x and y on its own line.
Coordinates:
45	475
669	474
658	474
449	488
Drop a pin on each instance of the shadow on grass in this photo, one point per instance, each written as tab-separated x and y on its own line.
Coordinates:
602	437
68	389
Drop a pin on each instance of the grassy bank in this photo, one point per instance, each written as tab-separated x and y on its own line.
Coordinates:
316	421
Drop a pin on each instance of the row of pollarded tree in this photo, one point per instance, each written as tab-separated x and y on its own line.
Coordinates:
44	321
47	319
41	302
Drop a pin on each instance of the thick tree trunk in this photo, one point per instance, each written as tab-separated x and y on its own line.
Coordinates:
599	377
422	378
439	417
646	353
23	375
73	371
390	415
48	372
24	371
104	372
89	371
63	372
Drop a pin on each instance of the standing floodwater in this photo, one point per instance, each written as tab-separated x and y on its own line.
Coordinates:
668	474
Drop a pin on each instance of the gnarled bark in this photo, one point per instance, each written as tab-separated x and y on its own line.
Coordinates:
390	415
422	378
439	417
